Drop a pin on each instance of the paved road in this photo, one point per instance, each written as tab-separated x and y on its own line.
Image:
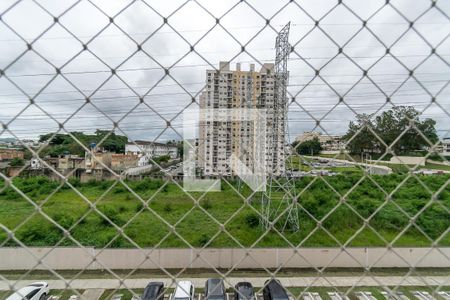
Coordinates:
256	281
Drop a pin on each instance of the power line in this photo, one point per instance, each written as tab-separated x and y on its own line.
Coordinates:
167	111
207	29
203	65
134	88
303	95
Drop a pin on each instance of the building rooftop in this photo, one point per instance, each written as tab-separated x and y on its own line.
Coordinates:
140	142
225	66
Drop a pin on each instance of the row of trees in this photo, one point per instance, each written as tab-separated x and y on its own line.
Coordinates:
62	143
310	147
400	128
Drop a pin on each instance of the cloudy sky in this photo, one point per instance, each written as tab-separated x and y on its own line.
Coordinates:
112	30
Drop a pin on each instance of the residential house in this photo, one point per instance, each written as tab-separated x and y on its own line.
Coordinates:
151	149
10	153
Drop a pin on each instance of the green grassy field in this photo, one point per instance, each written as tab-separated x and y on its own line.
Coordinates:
403	169
196	216
436	167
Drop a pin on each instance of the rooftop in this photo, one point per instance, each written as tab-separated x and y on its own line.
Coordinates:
225	66
140	142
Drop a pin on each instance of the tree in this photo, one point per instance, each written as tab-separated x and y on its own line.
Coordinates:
64	143
16	162
161	159
359	136
400	128
180	146
310	147
400	121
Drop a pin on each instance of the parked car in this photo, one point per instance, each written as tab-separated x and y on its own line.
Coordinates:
153	291
215	289
34	291
244	291
185	291
273	290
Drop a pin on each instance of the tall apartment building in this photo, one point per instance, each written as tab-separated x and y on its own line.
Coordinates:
229	89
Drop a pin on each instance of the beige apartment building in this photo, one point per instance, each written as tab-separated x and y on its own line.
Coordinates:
232	89
328	142
10	153
151	149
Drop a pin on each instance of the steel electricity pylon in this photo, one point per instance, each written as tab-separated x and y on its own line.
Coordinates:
284	213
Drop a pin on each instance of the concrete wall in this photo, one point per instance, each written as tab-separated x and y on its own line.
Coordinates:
82	258
373	169
408	160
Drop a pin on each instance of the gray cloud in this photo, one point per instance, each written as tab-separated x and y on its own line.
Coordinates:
315	49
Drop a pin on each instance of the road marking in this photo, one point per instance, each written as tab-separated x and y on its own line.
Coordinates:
117	297
445	295
92	294
389	296
337	296
312	296
423	295
402	296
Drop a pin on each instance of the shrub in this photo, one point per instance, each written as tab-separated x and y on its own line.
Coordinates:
16	162
112	212
92	182
64	219
119	189
11	194
142	186
252	220
122	208
46	189
161	159
75	181
203	239
105	184
148	184
167	207
206	203
121	242
39	232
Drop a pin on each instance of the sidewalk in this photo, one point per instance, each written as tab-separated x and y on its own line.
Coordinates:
256	281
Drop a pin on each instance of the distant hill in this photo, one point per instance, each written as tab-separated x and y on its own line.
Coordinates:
7	140
64	143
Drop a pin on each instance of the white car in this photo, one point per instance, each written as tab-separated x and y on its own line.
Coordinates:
184	291
34	291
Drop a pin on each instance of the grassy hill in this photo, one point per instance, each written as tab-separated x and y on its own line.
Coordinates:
197	217
65	143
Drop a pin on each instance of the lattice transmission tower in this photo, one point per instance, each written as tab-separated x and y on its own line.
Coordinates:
278	179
